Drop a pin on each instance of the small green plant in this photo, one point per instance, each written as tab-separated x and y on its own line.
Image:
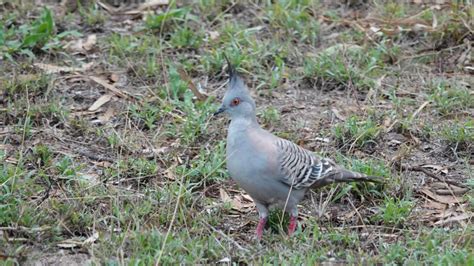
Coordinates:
209	165
42	156
26	38
459	134
277	73
186	37
92	15
394	212
449	97
65	166
147	114
295	19
156	22
356	131
270	115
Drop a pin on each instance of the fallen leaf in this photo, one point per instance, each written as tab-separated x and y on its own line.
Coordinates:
108	86
69	243
103	164
224	196
105	117
247	197
90	42
224	260
437	168
430	204
82	45
99	102
458	218
113	77
442	199
213	35
191	85
155	151
91	239
338	114
145	5
51	69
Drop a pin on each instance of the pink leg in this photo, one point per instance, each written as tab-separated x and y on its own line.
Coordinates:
260	227
292	225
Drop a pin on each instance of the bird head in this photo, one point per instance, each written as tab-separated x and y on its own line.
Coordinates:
237	102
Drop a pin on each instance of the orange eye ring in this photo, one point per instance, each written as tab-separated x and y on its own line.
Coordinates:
235	102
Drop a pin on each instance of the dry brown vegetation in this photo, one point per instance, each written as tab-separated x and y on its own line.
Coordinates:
109	153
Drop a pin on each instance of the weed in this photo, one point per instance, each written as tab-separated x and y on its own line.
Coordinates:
147	115
449	97
156	22
270	115
91	15
27	39
394	212
356	132
294	17
459	134
186	38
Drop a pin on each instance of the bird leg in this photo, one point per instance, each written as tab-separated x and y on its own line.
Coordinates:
261	225
292	225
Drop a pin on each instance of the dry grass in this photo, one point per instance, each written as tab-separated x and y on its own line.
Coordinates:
109	155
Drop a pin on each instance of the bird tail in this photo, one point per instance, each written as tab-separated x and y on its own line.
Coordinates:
345	176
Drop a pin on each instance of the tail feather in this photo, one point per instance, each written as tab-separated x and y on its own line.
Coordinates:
345	176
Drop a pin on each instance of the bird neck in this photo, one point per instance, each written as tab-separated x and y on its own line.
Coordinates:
243	123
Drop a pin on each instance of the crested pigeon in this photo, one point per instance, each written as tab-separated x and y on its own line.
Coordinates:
272	170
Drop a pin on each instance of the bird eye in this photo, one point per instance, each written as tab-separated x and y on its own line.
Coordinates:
235	102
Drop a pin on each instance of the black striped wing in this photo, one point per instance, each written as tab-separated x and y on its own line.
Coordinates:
301	167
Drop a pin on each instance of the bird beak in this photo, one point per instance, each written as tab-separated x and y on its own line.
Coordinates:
221	109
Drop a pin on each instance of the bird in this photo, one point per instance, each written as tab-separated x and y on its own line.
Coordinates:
272	170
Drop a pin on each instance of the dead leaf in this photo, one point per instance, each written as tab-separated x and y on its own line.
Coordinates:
103	164
458	218
442	199
91	239
213	35
99	102
191	85
105	117
90	42
146	5
437	168
338	114
430	204
169	173
51	69
113	77
445	213
224	196
70	243
83	45
108	86
247	197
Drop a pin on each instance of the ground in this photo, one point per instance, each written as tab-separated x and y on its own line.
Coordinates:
109	152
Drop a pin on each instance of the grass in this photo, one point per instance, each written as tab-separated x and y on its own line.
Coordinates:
140	180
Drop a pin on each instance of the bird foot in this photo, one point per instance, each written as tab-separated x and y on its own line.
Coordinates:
292	225
260	227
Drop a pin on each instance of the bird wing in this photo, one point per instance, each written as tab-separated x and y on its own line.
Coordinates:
300	167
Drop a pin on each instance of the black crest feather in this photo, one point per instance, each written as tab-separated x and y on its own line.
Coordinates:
230	69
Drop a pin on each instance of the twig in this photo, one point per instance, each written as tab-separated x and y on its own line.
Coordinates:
418	168
191	85
23	228
95	157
